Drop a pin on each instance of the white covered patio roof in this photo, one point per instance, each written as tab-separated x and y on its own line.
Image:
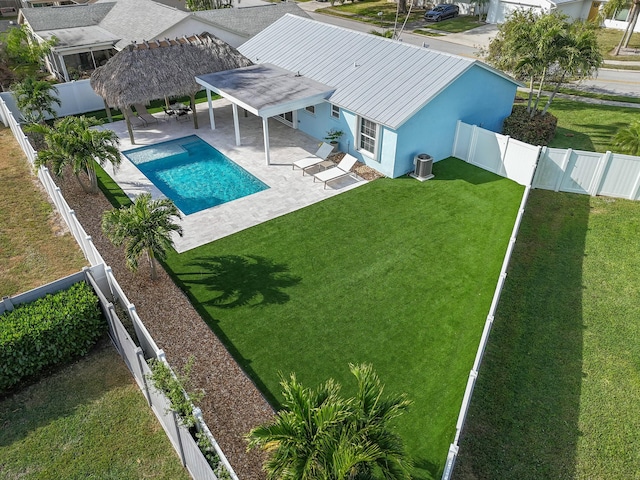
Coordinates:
264	90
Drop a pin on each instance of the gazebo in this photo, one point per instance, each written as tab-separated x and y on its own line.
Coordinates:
162	68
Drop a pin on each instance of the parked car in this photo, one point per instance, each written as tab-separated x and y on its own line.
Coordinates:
442	12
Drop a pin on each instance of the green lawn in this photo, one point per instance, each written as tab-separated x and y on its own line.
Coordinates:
557	393
367	11
608	39
584	126
456	25
397	273
89	420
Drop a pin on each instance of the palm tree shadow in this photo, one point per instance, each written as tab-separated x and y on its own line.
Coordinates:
240	280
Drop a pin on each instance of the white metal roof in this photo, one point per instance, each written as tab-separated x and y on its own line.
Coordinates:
384	80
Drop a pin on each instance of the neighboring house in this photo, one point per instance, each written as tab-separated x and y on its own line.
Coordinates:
392	100
88	35
499	10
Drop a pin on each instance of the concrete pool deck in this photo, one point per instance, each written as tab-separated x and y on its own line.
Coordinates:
289	189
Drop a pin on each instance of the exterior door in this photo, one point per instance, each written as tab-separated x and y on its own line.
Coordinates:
593	11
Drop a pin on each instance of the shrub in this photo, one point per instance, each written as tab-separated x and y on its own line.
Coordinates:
175	388
536	130
47	332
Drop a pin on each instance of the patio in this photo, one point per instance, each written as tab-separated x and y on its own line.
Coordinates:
289	190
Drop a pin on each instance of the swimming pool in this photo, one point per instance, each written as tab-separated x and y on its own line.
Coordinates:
193	174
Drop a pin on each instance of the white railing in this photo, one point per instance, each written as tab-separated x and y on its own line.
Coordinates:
108	290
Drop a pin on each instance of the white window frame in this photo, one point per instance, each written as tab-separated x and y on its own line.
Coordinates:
376	139
335	111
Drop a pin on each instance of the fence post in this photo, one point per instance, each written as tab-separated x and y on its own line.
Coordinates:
635	189
503	168
563	168
456	137
140	356
598	174
180	447
111	312
473	144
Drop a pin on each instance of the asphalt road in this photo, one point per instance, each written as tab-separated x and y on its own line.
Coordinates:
608	80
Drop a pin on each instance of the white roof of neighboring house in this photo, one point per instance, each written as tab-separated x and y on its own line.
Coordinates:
250	20
383	80
79	36
139	20
126	21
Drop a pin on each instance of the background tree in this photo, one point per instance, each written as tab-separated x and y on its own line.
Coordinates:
144	227
318	434
35	99
627	140
73	142
541	47
21	49
611	7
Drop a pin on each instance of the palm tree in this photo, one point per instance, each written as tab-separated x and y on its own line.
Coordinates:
35	99
320	435
72	142
144	227
611	8
628	139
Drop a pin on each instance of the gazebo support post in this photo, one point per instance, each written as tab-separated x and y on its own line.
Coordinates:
108	110
236	123
212	120
265	131
129	129
192	104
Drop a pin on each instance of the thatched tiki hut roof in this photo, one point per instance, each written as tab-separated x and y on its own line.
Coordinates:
162	68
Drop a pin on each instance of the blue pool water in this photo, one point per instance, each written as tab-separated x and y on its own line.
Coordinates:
193	174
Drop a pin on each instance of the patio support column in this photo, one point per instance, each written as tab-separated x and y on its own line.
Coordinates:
265	131
236	123
212	120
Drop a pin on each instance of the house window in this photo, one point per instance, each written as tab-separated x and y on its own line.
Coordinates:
622	14
368	135
311	109
335	111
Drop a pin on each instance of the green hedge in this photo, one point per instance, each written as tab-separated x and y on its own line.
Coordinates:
49	331
538	130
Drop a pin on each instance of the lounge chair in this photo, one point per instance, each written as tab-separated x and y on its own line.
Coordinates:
169	113
134	120
144	114
341	170
320	156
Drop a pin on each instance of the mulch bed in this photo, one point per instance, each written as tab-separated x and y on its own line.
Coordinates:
232	404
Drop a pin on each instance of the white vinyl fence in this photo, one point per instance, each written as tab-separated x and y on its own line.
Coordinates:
608	174
517	161
111	294
496	153
558	169
75	98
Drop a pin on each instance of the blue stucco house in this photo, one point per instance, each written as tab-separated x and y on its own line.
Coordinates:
392	100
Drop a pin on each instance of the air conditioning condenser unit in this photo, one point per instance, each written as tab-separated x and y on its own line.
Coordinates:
423	164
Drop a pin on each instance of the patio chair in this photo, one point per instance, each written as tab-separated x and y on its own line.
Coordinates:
169	113
182	114
144	114
313	160
341	170
134	119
